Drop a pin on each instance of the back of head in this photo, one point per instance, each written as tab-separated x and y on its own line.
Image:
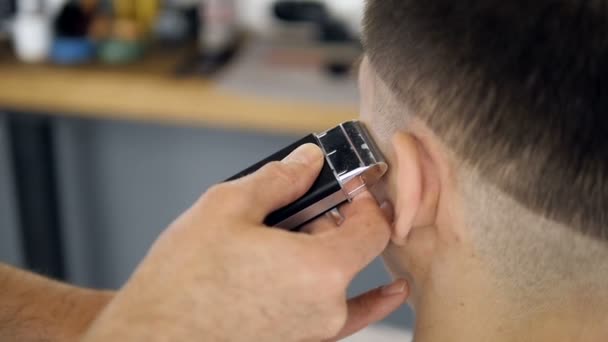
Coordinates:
516	89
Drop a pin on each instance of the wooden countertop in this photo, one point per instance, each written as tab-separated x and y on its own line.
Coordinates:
149	91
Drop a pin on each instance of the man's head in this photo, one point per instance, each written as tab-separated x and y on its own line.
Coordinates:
500	158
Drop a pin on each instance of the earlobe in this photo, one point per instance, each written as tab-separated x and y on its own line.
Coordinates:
417	187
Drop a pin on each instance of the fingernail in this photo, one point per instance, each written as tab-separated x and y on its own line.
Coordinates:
305	154
397	287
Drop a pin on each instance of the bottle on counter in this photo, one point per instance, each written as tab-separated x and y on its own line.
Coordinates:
218	34
218	26
32	31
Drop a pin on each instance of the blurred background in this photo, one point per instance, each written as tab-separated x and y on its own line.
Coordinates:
116	115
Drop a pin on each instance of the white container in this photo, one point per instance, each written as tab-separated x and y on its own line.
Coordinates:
32	37
32	32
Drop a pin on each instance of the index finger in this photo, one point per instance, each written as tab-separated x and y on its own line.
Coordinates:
362	236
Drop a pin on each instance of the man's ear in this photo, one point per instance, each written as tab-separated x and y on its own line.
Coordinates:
417	186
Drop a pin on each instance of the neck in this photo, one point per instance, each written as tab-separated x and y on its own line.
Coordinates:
481	316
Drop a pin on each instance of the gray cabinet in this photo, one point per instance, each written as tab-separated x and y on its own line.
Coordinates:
10	242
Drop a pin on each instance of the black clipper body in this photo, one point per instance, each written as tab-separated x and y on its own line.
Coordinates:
352	163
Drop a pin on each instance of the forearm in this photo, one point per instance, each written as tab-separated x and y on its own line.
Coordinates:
34	308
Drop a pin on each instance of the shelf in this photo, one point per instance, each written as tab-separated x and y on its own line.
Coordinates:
148	91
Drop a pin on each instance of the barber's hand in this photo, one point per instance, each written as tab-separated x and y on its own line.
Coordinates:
218	274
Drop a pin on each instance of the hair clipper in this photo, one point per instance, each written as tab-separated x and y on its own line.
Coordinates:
352	163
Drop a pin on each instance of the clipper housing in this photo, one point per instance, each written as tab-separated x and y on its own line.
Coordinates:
353	162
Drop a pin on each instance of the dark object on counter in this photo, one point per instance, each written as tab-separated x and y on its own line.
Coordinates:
290	11
329	30
7	10
72	21
338	69
206	64
72	45
194	21
335	31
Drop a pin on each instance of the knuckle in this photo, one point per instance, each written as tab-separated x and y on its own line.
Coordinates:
331	281
219	192
310	278
335	278
216	190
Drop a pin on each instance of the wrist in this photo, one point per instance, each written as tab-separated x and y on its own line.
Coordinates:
36	308
83	307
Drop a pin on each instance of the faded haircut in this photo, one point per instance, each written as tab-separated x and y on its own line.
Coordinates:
518	89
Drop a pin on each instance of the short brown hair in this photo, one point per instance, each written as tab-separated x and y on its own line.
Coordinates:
518	88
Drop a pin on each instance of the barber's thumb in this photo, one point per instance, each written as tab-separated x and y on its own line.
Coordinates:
305	154
280	183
